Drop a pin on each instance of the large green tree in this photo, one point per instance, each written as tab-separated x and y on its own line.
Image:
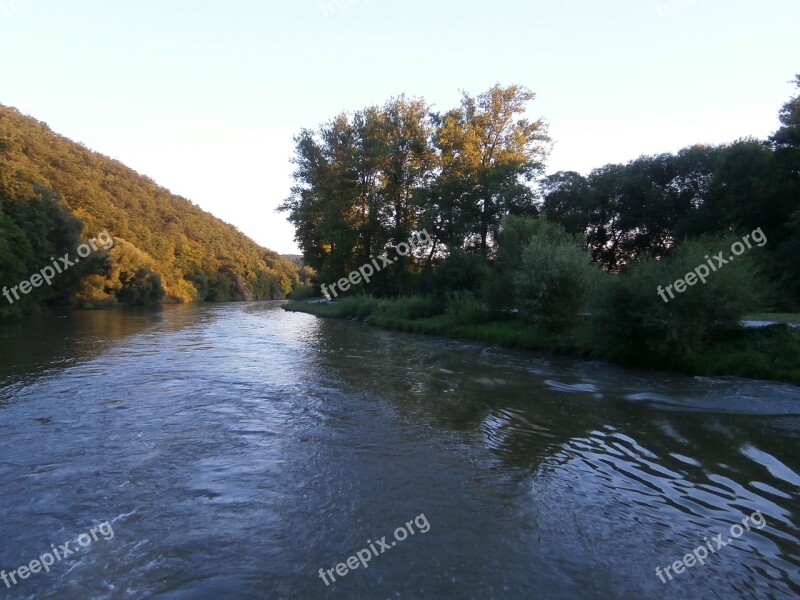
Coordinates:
787	150
357	186
365	182
489	154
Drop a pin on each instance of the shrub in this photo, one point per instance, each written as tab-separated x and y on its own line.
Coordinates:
143	288
516	233
553	281
459	271
635	325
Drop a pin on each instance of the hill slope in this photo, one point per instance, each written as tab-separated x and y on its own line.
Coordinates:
55	194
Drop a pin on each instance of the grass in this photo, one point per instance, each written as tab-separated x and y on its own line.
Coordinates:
762	353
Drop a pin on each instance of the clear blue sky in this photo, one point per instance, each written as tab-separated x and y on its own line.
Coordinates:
205	97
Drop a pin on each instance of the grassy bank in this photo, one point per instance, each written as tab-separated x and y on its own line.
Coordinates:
771	353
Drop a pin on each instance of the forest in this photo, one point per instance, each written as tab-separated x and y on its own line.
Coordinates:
55	194
569	260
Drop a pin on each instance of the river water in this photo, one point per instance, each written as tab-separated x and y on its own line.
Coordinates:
235	450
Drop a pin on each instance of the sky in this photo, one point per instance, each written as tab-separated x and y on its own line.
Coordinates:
205	97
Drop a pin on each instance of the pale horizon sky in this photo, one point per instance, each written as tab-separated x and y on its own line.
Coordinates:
205	97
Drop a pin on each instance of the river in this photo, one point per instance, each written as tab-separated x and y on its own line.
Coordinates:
234	450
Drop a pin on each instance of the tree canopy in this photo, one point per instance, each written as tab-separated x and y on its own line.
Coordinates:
365	181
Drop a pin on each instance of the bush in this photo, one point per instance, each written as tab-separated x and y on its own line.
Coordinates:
635	324
553	281
516	233
459	271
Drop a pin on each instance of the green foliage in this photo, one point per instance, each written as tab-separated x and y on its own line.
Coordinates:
304	292
553	278
143	288
636	325
365	182
648	223
464	308
635	210
516	233
354	306
410	307
641	209
540	269
362	306
459	271
788	136
14	250
488	151
33	229
355	181
763	353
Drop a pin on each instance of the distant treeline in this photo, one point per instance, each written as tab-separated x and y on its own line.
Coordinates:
364	181
647	207
55	194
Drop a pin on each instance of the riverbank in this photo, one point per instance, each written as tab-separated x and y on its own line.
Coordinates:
771	353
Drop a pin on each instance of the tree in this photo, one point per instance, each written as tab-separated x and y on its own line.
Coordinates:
567	200
143	288
516	233
635	210
489	154
35	228
364	182
787	138
357	179
787	152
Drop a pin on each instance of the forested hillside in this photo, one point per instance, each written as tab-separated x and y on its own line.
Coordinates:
55	193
